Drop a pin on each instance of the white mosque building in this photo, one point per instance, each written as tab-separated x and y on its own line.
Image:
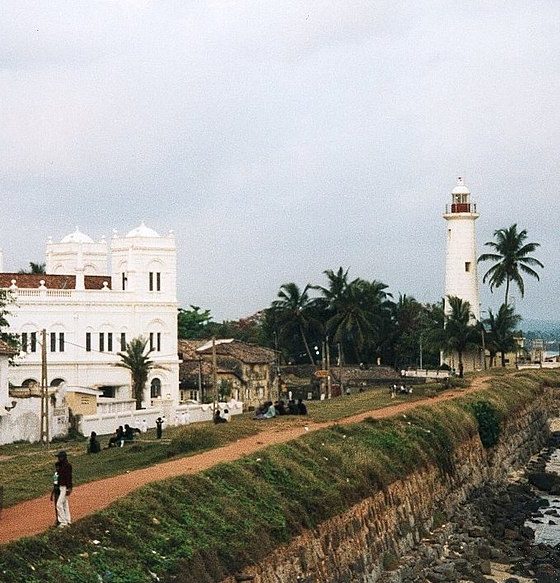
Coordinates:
94	298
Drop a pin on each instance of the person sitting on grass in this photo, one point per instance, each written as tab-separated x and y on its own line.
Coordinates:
292	407
302	409
271	411
218	417
265	411
118	439
280	408
128	432
93	443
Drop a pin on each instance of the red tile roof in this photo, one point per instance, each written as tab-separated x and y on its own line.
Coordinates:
6	348
33	281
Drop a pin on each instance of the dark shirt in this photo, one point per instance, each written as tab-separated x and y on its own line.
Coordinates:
65	474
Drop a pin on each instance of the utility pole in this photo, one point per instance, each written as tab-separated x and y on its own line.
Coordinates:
44	391
421	363
214	374
200	395
340	369
329	384
323	367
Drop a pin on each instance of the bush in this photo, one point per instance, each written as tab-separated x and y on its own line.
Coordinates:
488	420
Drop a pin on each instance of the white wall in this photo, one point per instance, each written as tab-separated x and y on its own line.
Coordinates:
105	424
23	422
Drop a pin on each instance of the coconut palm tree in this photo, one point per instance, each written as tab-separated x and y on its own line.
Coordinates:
137	360
34	268
500	333
353	310
459	333
293	311
511	259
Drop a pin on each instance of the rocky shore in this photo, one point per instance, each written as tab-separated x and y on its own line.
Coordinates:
492	536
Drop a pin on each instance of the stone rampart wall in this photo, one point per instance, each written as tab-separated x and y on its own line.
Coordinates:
353	546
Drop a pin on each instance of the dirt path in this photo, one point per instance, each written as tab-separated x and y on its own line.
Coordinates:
35	516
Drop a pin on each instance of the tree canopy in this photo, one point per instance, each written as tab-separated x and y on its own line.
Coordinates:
511	259
136	359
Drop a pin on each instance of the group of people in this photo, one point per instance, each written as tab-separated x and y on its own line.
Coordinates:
123	435
268	410
400	390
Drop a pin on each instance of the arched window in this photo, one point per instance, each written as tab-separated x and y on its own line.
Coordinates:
29	383
155	388
57	382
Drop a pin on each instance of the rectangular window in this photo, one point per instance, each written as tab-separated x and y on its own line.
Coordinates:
124	279
158	341
467	266
61	341
101	342
88	341
53	341
158	281
151	281
151	340
110	341
33	343
24	341
123	341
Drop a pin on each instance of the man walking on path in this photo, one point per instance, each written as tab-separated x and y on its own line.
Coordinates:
64	468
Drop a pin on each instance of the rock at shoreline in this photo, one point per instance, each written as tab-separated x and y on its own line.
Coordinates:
545	481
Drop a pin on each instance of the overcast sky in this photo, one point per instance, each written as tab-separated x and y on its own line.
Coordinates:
282	138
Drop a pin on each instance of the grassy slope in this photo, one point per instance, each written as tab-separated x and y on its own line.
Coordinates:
204	525
27	473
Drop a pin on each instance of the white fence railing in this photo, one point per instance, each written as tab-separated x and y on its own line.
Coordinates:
106	422
425	374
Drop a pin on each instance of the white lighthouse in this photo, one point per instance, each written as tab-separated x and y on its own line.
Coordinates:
461	278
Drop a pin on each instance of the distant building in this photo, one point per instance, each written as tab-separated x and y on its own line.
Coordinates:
94	298
246	371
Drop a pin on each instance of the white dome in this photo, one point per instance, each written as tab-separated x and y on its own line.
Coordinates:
460	188
142	231
77	237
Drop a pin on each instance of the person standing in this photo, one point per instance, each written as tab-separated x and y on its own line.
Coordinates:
144	426
55	493
64	470
159	427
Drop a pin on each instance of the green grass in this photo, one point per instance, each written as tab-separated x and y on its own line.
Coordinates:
28	471
208	525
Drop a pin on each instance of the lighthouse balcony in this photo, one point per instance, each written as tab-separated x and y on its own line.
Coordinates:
460	207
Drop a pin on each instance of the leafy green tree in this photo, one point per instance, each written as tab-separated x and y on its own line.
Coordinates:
7	300
500	335
294	314
192	324
460	333
511	258
433	332
407	318
136	359
34	268
353	312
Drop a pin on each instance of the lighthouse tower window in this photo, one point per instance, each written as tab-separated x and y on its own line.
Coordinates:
467	266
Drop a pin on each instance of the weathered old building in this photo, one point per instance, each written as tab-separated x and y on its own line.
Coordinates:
245	372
